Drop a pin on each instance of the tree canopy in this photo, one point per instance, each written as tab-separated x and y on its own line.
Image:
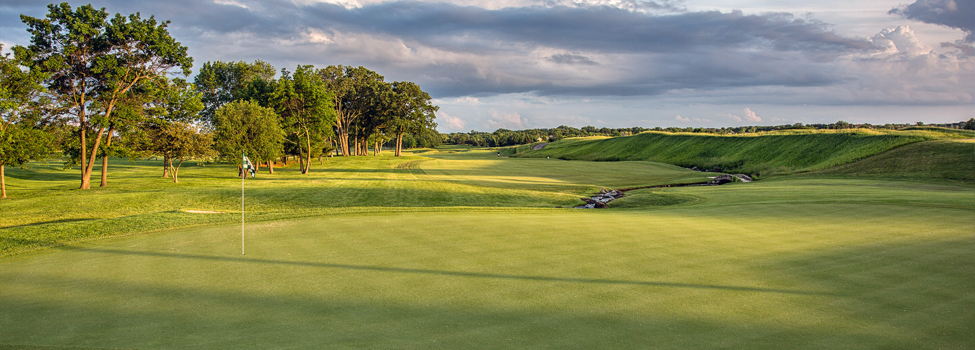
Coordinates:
90	62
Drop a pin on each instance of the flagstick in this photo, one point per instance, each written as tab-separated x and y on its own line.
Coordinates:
243	173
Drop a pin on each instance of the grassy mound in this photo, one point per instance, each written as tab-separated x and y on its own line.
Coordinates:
944	159
766	154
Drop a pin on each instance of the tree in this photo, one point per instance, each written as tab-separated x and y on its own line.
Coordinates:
21	139
171	128
224	82
179	141
412	112
970	124
306	111
355	92
246	127
91	62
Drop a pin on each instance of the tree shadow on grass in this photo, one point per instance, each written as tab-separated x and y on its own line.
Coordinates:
62	221
922	289
132	312
388	269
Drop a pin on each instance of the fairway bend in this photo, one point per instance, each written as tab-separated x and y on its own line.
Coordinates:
244	259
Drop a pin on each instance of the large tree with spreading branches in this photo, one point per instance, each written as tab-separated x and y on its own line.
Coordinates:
92	61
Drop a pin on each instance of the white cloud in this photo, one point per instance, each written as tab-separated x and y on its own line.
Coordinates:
450	123
697	120
750	116
900	40
747	115
231	3
467	100
318	36
507	120
730	116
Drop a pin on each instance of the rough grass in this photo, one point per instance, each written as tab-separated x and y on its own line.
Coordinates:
784	152
776	264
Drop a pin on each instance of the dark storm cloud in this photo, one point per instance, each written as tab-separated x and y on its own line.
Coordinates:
958	14
676	50
597	28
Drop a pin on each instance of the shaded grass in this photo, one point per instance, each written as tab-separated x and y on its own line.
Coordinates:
772	264
767	154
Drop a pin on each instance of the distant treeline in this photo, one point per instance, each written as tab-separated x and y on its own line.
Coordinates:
505	137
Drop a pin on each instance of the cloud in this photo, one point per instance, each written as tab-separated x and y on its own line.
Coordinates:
573	48
900	40
615	52
688	120
450	123
571	59
747	116
507	120
750	116
958	14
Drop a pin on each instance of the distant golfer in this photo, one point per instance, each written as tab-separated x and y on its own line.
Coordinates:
499	154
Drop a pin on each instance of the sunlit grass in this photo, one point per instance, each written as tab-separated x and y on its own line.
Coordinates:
773	264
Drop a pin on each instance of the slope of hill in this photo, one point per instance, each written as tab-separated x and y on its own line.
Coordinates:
950	160
765	154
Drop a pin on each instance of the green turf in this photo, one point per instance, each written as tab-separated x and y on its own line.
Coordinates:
949	160
804	264
46	209
777	153
458	248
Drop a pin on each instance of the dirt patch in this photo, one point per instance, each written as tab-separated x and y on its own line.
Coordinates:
539	146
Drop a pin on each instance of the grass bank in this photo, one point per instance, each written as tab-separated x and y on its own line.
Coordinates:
766	154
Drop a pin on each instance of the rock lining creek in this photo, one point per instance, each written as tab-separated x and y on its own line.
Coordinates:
602	199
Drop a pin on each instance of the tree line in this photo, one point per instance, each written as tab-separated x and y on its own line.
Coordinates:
92	86
505	137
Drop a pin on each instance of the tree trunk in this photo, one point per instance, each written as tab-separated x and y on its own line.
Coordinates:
301	164
399	144
108	143
307	155
88	168
166	166
175	170
270	167
83	128
3	184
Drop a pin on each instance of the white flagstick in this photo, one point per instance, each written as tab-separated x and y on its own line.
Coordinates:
243	174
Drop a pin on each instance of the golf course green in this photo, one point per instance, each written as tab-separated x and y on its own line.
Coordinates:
457	248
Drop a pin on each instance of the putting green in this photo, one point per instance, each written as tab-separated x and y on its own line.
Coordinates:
778	264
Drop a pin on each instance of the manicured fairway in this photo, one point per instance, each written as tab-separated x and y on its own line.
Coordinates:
45	209
786	263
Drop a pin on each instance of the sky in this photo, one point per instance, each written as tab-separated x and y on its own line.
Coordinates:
519	64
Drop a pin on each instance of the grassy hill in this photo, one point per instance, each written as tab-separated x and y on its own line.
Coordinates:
764	154
950	160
